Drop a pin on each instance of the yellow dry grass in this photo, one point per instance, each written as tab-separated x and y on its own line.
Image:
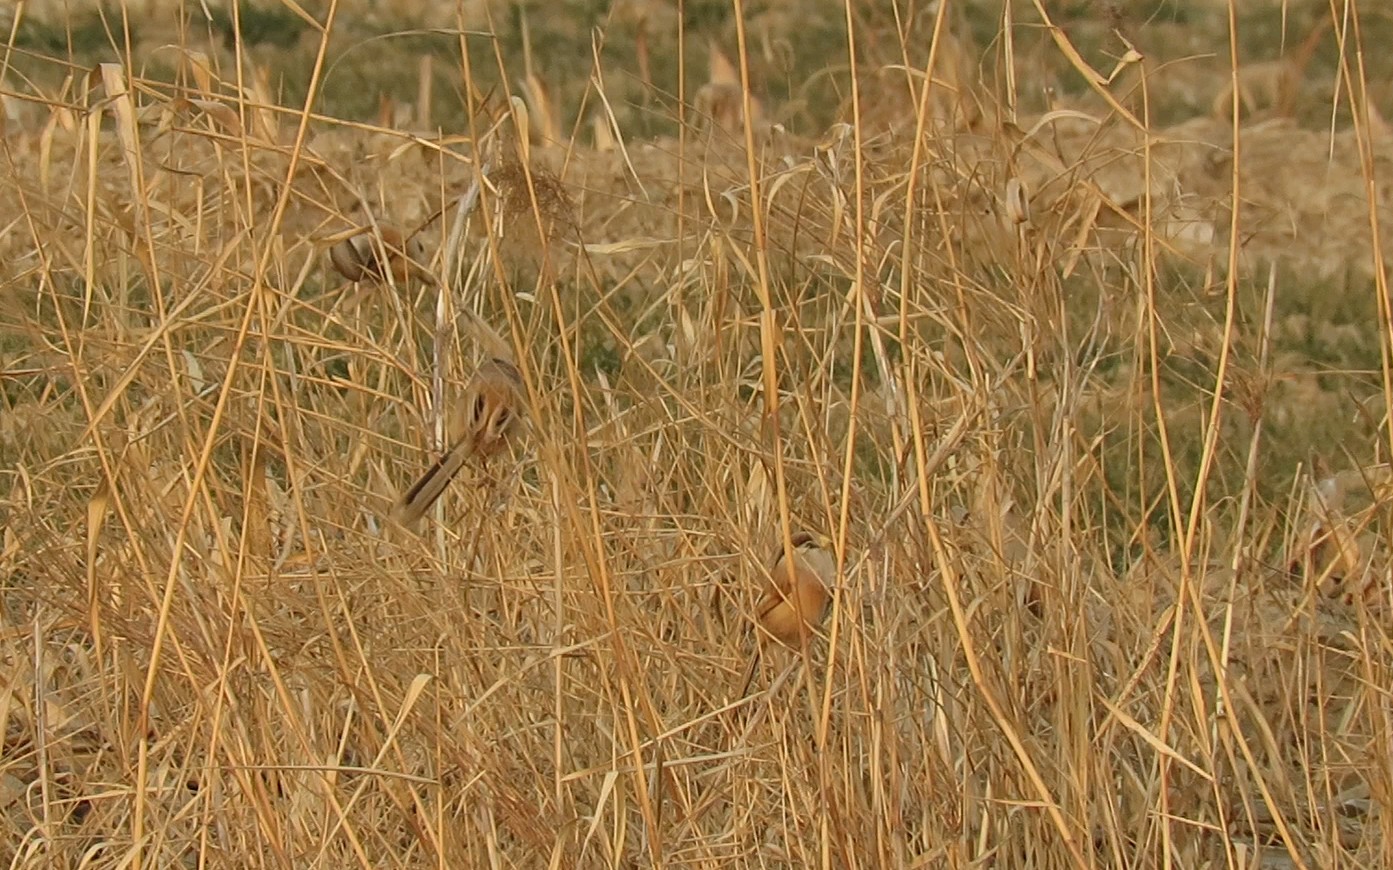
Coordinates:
1023	373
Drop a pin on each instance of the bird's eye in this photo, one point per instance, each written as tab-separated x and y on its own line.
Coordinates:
479	407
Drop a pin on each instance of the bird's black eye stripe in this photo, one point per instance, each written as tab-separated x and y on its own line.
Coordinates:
479	407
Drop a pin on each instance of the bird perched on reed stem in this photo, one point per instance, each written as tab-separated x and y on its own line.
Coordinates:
480	423
795	596
372	255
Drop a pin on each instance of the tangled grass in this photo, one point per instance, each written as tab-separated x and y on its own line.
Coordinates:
1051	384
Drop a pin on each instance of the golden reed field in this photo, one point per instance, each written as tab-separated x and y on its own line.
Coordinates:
662	434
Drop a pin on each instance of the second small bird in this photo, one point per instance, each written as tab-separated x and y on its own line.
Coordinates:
479	426
375	257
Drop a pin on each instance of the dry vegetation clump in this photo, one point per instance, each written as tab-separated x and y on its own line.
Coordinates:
1047	370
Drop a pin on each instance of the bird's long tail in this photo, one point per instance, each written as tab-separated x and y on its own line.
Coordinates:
413	504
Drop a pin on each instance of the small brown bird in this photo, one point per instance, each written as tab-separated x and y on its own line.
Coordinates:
370	256
479	426
795	595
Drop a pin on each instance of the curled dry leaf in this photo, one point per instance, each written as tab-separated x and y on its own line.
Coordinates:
603	133
546	127
1017	201
224	116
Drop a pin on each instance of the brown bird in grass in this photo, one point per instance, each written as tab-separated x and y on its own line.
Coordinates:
795	596
479	426
370	256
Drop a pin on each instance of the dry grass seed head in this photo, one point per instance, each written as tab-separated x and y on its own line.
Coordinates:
518	187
